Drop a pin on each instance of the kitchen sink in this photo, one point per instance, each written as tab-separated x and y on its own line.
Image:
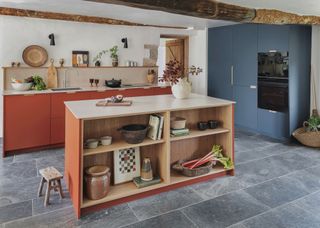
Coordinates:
66	89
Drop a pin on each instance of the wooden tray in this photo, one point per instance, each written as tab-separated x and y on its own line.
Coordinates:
110	103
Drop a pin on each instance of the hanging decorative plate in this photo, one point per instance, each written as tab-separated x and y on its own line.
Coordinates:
35	56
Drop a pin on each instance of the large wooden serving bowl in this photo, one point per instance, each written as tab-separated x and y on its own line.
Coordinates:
35	56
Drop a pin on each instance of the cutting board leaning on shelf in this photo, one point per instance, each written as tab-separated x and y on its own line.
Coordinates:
52	76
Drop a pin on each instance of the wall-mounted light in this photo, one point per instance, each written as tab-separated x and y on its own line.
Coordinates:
125	42
52	42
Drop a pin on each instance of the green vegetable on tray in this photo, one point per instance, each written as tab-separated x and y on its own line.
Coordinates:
225	161
37	82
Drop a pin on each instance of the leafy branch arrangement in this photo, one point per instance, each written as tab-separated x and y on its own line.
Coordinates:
113	54
99	55
172	73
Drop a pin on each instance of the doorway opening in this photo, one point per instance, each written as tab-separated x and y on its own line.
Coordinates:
173	47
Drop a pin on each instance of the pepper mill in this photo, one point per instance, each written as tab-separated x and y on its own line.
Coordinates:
146	170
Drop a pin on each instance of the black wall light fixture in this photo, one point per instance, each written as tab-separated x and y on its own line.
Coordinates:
125	42
52	42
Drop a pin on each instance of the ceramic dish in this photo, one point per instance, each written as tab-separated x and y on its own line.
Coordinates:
106	140
178	123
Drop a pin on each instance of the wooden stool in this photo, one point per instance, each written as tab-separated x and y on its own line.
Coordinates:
53	178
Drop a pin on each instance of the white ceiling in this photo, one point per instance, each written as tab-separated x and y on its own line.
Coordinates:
306	7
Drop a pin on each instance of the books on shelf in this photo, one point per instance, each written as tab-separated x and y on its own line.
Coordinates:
179	132
156	126
141	183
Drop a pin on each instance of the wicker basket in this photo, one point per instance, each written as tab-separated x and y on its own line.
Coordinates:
308	138
204	169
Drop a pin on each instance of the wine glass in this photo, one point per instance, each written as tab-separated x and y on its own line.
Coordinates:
96	81
91	80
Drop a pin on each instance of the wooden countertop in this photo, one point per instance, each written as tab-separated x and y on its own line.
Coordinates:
87	109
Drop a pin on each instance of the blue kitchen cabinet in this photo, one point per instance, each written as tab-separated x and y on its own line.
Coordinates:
246	107
219	67
273	38
273	124
244	54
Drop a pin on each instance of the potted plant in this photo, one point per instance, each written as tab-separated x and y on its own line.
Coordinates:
97	59
179	81
114	55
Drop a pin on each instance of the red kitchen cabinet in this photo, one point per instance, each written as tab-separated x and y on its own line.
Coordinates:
58	113
162	90
104	94
58	99
26	121
136	92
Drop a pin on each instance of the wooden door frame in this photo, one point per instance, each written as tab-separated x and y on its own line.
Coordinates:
185	46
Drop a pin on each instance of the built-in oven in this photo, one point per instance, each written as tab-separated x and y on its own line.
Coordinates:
273	93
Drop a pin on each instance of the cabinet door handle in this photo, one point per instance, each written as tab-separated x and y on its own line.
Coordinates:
231	75
271	111
253	87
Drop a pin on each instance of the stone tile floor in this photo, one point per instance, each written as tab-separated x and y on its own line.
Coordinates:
277	184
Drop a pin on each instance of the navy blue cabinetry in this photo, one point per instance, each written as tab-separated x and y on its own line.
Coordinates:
232	73
219	68
273	37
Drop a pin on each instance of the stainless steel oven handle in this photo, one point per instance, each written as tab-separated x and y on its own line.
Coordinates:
253	87
231	75
271	111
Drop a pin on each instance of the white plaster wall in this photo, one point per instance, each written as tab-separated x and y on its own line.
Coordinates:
16	33
315	65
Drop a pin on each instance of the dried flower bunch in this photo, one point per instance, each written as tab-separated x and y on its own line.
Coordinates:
173	72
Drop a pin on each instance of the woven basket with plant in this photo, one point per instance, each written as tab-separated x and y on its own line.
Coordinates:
309	134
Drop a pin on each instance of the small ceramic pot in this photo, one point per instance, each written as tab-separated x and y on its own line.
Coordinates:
202	125
91	143
213	124
97	182
178	123
150	78
106	140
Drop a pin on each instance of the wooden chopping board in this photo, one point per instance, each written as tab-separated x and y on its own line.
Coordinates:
104	103
52	76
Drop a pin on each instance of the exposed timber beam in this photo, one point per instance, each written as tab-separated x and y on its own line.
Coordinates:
72	17
211	9
197	8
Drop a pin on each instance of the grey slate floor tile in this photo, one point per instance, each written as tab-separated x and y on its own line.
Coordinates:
18	171
112	217
55	203
173	219
12	191
38	154
6	160
246	156
311	203
55	161
15	211
288	216
57	219
278	191
219	186
224	210
164	202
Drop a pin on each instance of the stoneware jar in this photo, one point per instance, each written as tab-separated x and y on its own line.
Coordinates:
182	89
97	182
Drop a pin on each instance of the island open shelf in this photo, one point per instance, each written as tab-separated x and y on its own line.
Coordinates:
95	122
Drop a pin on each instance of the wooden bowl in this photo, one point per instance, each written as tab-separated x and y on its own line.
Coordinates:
35	56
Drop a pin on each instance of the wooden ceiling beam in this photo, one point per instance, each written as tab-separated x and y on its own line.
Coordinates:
73	17
211	9
207	9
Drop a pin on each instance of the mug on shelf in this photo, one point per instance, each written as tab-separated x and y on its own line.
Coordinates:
106	140
91	143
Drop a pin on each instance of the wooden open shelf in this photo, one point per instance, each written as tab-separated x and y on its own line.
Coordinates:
197	133
162	153
120	191
178	178
89	67
118	145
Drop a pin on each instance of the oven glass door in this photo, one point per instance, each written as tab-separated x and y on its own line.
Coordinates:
273	96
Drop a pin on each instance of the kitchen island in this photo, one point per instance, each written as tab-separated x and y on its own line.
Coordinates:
84	120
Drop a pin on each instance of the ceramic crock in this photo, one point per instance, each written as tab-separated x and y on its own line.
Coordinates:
97	182
182	89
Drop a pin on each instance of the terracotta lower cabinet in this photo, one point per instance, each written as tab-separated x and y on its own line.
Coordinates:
32	121
58	113
26	121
